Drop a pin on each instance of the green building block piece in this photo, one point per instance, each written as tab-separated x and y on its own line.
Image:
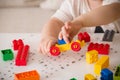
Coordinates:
73	79
7	54
117	73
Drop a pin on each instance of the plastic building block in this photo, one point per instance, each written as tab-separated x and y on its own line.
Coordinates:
108	35
21	59
84	36
117	73
61	42
101	48
89	77
54	51
98	29
75	46
106	74
29	75
91	56
102	63
73	79
17	43
7	54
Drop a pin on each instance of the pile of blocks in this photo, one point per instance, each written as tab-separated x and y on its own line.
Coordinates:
22	54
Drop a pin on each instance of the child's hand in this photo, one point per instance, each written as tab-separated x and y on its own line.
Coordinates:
68	31
45	43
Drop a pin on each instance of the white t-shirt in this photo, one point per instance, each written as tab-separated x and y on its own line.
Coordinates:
70	9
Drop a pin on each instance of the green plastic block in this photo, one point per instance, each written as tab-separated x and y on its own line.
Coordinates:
73	79
117	73
7	54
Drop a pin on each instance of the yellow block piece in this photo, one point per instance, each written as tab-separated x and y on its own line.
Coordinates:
102	63
82	43
89	77
91	56
65	47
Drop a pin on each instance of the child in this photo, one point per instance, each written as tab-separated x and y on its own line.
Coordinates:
73	15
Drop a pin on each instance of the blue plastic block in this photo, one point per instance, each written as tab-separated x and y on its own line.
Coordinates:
61	42
106	74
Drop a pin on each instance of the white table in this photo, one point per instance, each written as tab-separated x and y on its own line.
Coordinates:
63	67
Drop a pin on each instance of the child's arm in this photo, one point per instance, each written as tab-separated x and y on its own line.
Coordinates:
99	16
49	34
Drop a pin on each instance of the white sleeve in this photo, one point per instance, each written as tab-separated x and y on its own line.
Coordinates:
64	13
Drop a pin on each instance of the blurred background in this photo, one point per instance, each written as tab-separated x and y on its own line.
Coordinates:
26	16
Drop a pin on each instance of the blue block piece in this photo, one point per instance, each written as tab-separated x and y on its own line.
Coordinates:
106	74
61	42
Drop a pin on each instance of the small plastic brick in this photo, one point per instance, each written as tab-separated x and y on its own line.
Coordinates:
106	74
117	73
102	63
89	77
54	51
7	54
73	79
21	59
108	36
17	43
84	36
101	48
91	56
61	42
75	46
29	75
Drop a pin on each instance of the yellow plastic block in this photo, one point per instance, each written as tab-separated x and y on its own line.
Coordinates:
82	43
64	47
30	75
91	56
89	77
102	63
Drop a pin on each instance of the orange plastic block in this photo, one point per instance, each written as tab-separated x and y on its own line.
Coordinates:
91	56
102	63
29	75
89	77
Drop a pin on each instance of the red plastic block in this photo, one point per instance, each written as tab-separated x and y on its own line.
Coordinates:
17	43
84	36
54	51
101	48
29	75
21	59
75	46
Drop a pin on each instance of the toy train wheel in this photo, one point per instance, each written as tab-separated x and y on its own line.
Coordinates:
75	46
55	51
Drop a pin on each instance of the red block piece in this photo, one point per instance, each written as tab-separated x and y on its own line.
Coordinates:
55	51
84	36
17	43
21	59
101	48
75	46
87	37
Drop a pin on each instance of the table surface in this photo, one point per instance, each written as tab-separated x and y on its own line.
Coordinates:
64	67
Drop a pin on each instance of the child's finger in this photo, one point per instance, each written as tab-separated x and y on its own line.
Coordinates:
66	39
60	37
68	25
65	32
